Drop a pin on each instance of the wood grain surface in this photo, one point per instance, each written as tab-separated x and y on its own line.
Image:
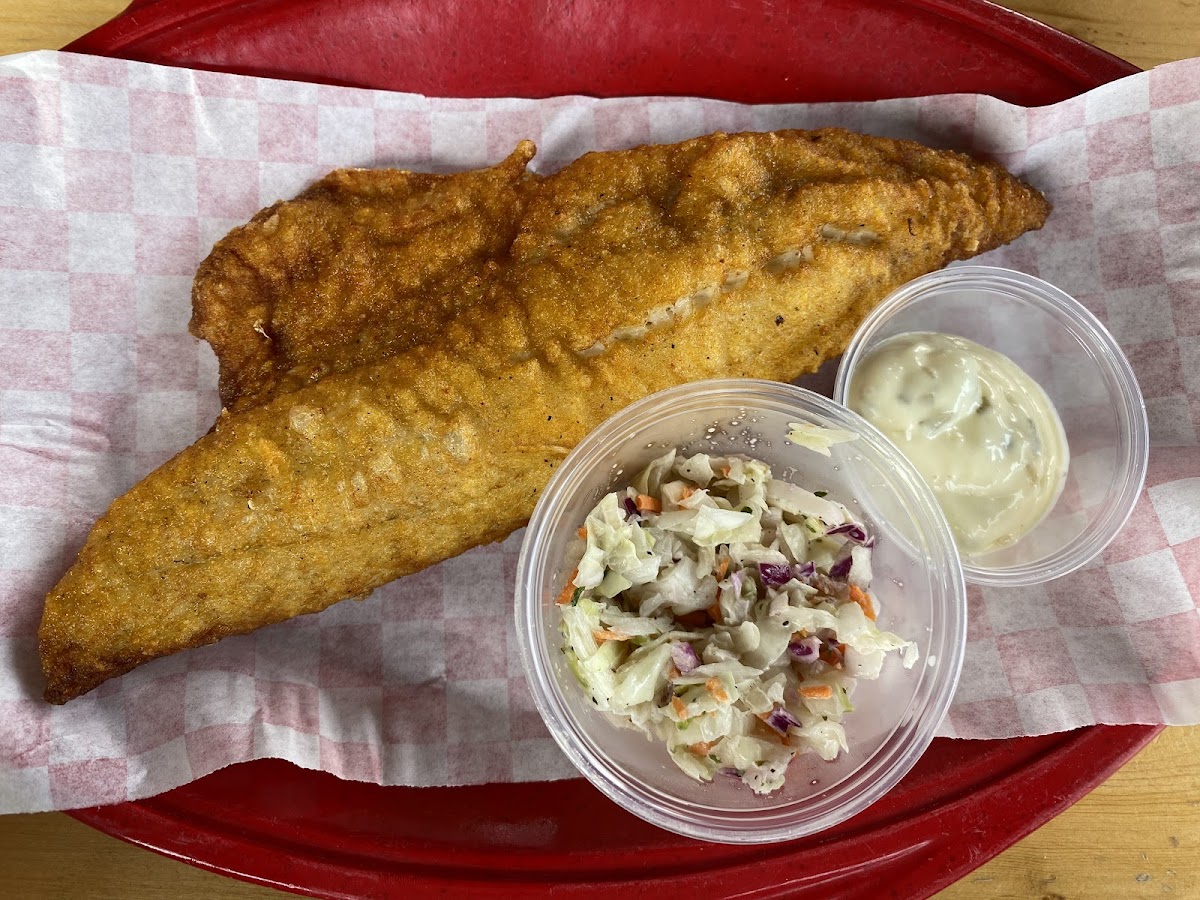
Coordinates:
1137	835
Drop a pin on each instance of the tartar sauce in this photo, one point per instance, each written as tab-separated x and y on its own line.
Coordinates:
978	428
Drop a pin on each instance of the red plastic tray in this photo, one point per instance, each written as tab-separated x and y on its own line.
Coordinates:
965	801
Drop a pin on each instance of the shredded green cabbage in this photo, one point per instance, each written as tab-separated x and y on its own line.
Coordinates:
699	623
818	437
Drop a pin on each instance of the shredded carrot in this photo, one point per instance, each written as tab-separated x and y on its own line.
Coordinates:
802	633
724	470
568	590
602	635
833	655
701	748
680	707
714	687
646	503
768	730
582	532
859	596
673	672
816	692
715	612
723	568
687	491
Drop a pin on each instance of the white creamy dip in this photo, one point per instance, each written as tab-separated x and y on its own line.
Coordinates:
978	428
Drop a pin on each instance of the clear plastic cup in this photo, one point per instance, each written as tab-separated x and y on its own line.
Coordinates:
1087	377
917	581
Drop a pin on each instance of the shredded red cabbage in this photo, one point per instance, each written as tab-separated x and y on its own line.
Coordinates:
807	570
781	720
631	510
684	657
735	582
854	532
774	574
841	568
806	649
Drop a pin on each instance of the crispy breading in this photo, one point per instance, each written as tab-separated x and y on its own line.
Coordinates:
364	264
747	255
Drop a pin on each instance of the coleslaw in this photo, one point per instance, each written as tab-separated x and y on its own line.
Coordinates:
726	613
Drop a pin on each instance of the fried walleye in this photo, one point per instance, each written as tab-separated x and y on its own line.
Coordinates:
429	431
364	264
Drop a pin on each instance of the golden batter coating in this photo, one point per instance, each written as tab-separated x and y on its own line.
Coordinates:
746	255
365	263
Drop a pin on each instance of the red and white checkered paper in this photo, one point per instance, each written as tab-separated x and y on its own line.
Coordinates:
115	180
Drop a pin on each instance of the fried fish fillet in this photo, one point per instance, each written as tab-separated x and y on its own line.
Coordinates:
364	264
745	255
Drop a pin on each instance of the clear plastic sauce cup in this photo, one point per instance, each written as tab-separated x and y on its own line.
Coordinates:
1077	362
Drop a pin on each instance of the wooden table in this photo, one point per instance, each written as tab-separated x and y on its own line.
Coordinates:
1138	835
